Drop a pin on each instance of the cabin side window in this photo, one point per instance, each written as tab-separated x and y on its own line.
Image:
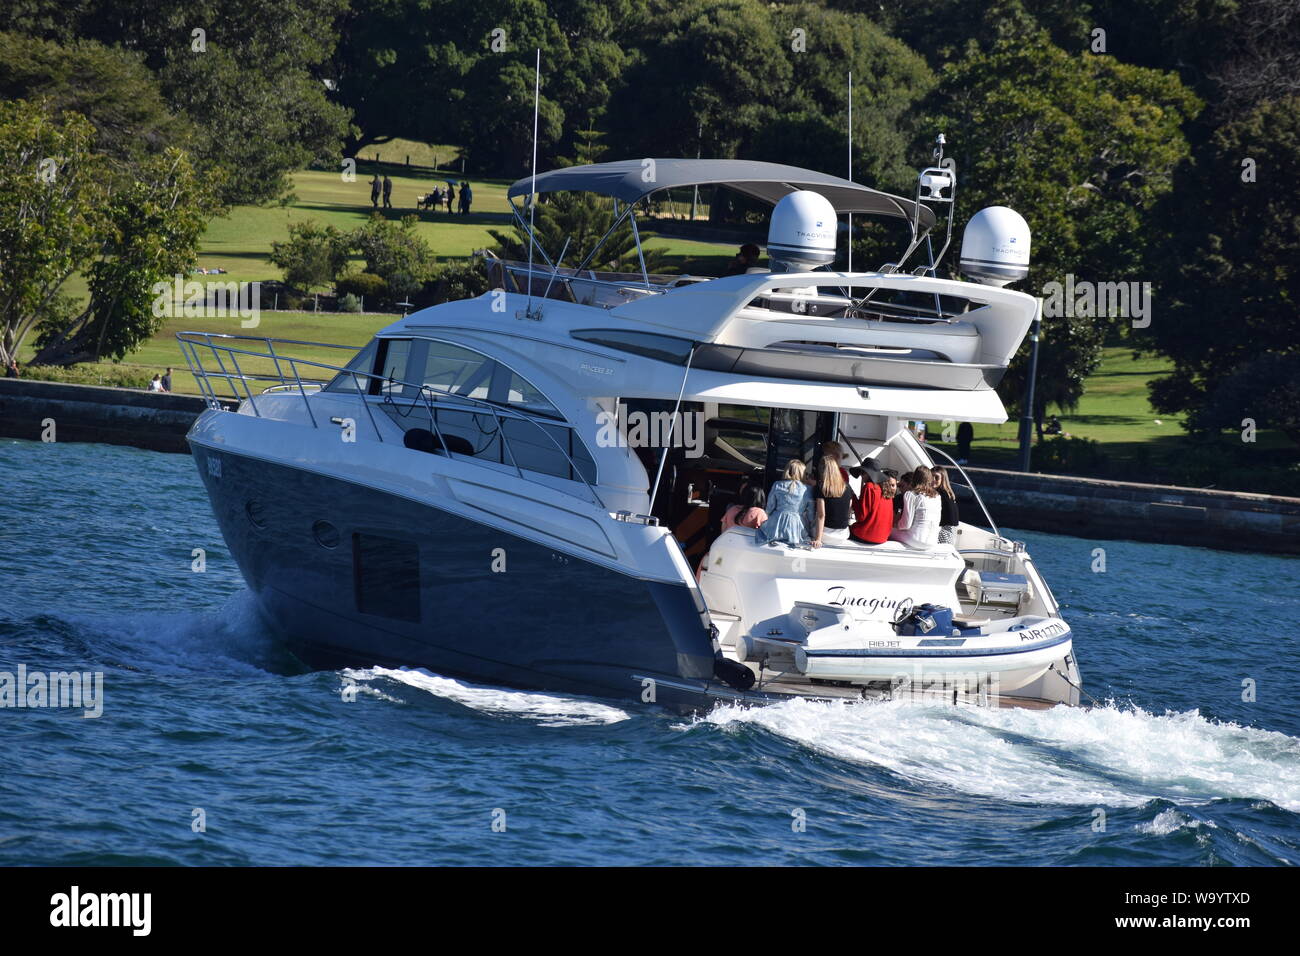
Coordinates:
363	362
543	443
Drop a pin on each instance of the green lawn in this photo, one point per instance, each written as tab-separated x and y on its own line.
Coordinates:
240	242
1114	409
1139	444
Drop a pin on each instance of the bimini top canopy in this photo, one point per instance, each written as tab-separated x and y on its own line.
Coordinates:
632	179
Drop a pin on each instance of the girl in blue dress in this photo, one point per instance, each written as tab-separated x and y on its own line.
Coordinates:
789	510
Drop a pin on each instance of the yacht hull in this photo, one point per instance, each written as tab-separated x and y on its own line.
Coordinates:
349	575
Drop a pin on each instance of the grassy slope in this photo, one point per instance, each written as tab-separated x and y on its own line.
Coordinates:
241	242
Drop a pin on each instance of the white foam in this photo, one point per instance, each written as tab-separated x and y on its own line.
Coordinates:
1108	756
546	709
1169	821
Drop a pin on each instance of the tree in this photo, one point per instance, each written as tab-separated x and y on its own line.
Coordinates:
1232	289
313	255
1264	390
707	77
808	124
249	74
51	193
391	249
1082	146
149	232
111	87
402	74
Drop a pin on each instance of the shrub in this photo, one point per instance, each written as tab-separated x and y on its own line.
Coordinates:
391	249
464	279
312	256
1068	454
349	303
116	376
365	285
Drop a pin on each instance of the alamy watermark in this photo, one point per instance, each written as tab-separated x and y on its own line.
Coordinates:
1086	299
83	689
624	429
208	300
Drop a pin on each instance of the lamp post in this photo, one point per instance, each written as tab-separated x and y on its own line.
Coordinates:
1027	419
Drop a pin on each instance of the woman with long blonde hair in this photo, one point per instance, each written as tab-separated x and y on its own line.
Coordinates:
834	504
789	509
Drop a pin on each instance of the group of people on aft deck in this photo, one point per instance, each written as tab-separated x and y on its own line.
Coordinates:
814	506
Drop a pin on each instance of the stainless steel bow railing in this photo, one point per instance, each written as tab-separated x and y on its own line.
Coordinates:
226	355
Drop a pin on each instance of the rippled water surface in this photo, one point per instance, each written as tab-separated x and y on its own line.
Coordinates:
203	712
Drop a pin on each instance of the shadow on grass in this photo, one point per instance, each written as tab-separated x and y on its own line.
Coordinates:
425	215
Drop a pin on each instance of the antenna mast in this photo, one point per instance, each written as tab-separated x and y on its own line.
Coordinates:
532	197
850	239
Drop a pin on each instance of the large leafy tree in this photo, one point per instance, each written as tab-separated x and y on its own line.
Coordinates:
459	71
67	209
1232	292
706	77
250	75
1082	146
149	232
51	190
808	125
110	86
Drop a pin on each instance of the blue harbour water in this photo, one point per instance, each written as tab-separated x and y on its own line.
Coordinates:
203	712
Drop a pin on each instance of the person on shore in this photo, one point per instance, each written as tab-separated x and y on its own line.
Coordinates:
167	380
918	526
965	435
11	370
450	195
747	511
388	193
466	197
155	384
746	260
375	186
789	510
949	516
834	498
874	511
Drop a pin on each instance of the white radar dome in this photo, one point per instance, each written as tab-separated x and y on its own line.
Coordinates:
995	246
801	236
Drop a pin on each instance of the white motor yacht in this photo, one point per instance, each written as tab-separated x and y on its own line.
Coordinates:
526	488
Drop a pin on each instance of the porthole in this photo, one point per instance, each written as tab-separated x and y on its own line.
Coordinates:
326	535
256	514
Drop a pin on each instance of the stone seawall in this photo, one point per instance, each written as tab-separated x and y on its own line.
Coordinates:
1093	507
115	416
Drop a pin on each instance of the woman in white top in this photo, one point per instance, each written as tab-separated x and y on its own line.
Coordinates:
918	526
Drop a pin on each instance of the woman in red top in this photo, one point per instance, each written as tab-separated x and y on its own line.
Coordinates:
875	512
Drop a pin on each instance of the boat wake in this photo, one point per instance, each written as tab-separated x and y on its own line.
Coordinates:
1104	756
230	641
548	710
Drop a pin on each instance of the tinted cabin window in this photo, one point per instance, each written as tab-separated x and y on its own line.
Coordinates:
394	359
364	361
386	573
456	371
664	348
